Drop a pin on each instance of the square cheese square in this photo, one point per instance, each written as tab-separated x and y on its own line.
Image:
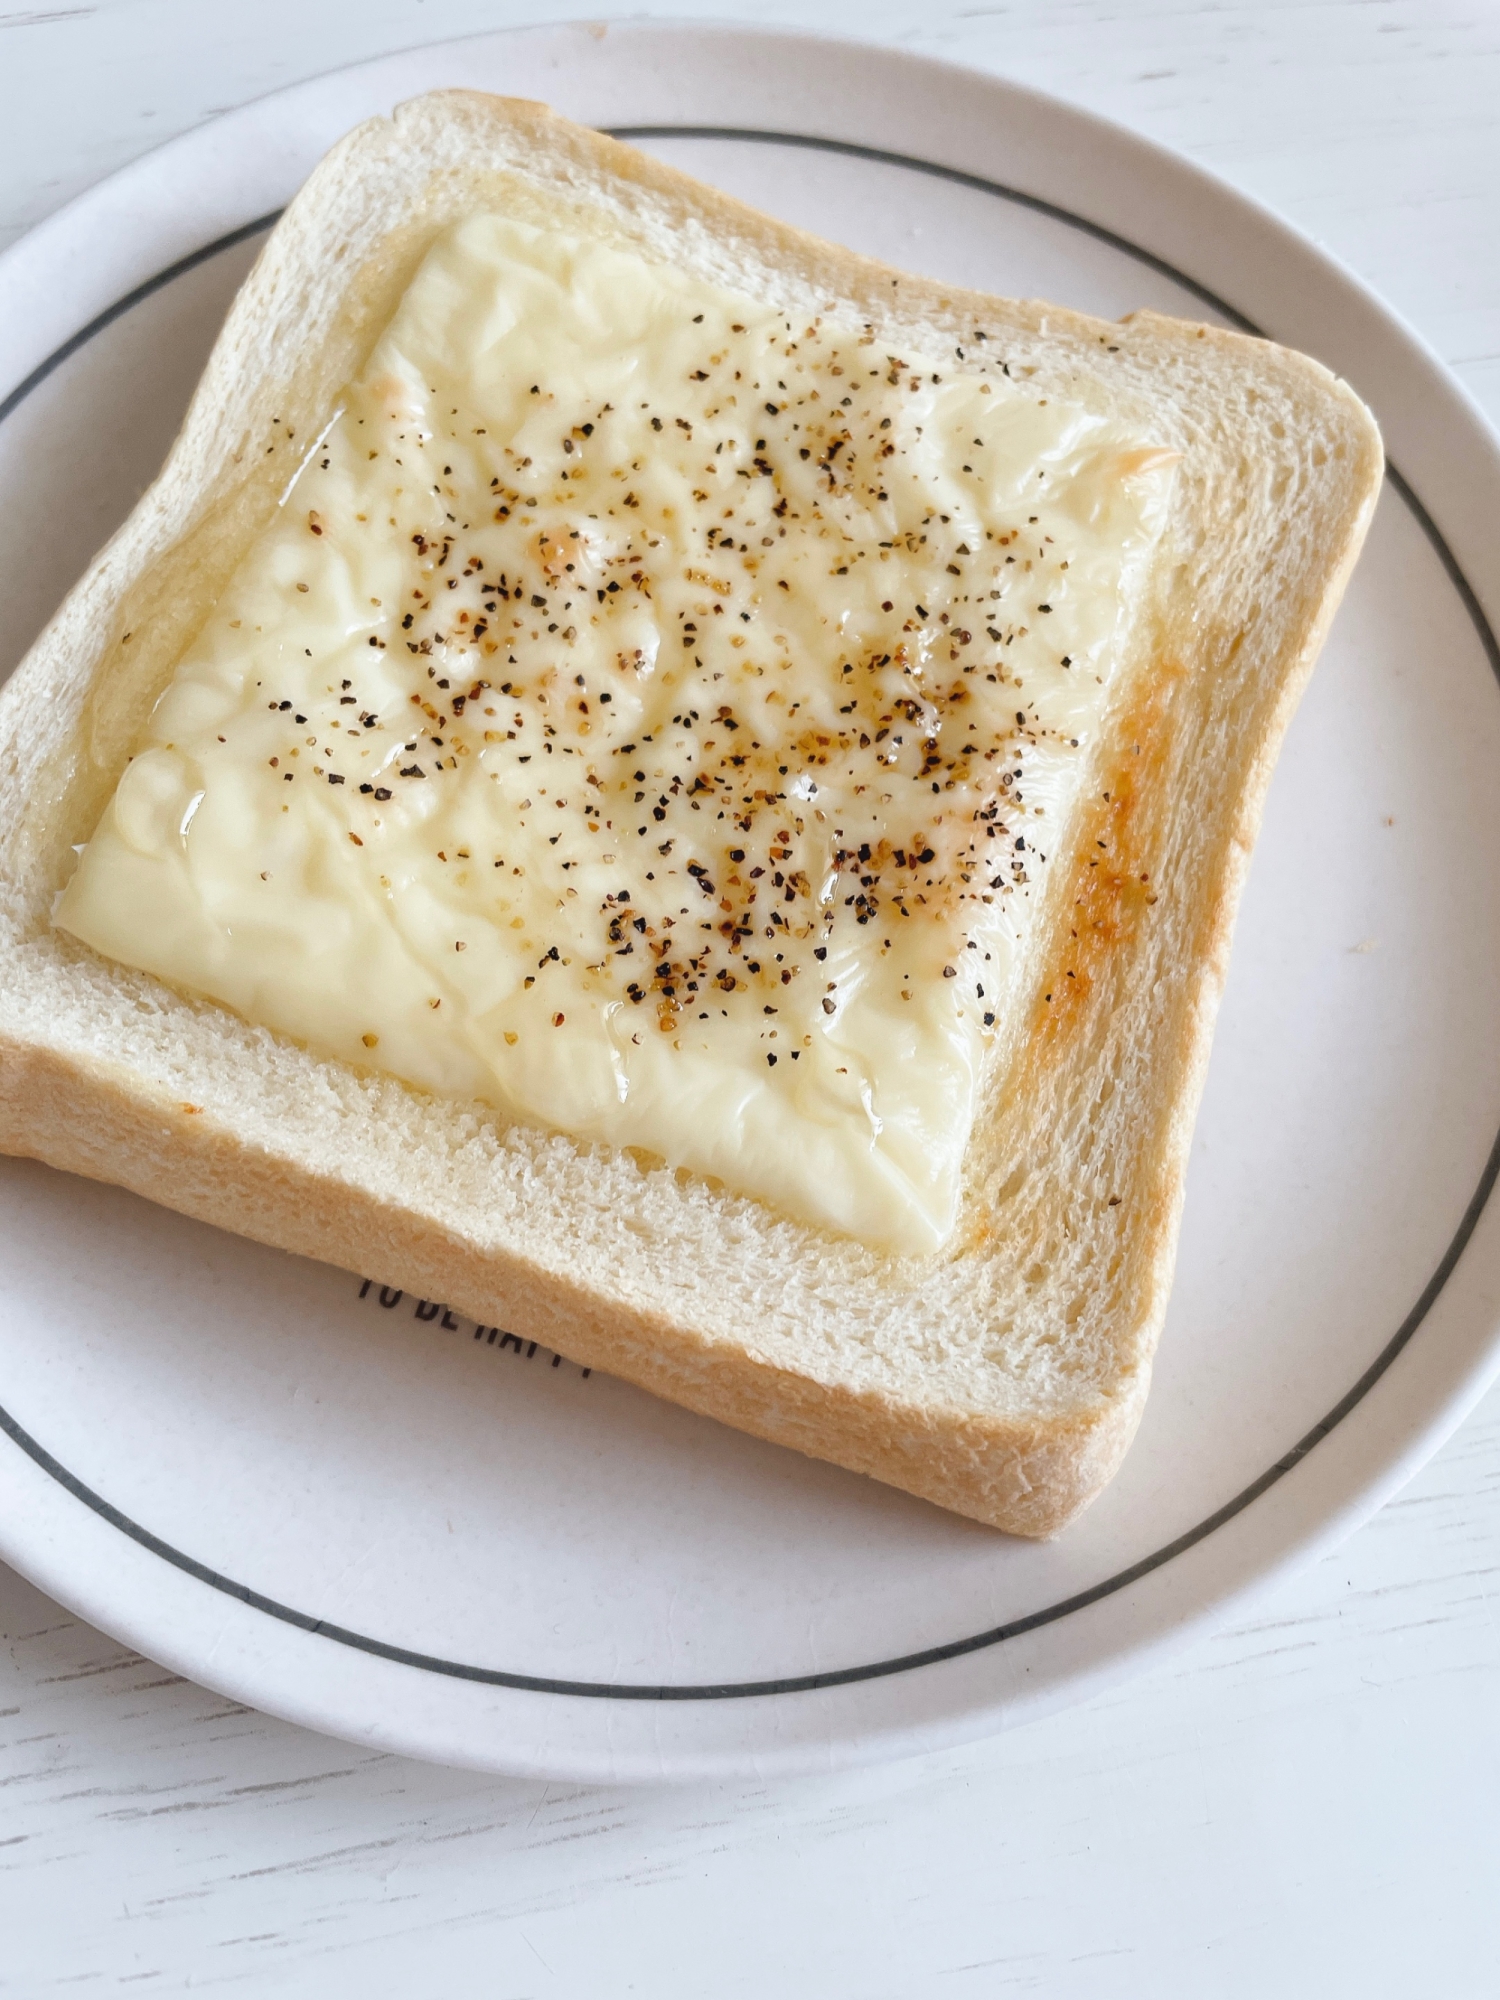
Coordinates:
650	716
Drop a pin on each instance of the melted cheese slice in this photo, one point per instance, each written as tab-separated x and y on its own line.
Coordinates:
650	715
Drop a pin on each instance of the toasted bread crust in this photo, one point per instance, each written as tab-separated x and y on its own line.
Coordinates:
1003	1378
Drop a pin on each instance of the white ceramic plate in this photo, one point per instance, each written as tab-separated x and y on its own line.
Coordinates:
352	1509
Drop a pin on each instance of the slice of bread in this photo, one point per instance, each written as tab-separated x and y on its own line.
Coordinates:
1002	1377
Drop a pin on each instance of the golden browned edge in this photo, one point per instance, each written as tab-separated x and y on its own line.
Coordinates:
102	1121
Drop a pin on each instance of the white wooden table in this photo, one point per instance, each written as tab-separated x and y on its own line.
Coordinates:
1308	1804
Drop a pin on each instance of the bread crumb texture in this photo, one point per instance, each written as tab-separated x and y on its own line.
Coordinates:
1002	1375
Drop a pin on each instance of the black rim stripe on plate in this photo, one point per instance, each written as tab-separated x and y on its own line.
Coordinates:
122	306
1032	1621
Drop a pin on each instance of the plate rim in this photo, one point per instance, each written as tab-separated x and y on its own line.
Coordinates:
1475	1379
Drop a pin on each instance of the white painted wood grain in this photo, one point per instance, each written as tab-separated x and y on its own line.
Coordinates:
1308	1804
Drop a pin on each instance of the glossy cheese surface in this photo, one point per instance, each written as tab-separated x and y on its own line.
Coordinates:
651	716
